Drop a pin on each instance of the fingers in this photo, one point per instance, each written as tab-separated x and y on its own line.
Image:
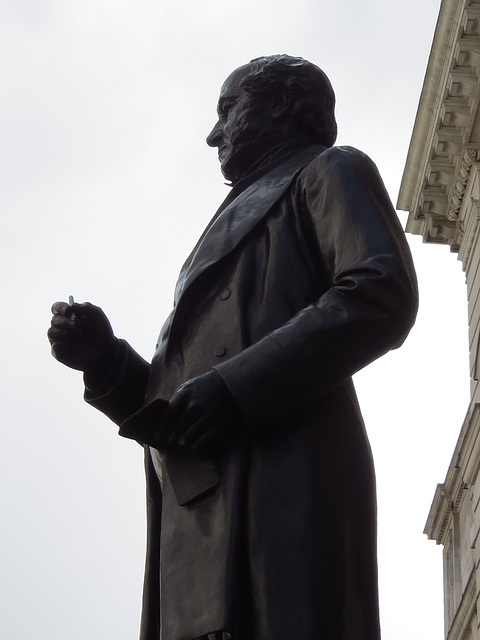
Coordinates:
81	336
195	420
179	417
64	321
59	308
199	436
62	351
64	334
201	439
86	316
200	415
63	309
184	418
62	329
186	435
87	308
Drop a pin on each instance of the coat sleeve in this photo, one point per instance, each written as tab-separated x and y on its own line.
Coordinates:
123	392
369	307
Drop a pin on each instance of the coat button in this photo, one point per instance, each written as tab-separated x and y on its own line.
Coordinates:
225	294
221	351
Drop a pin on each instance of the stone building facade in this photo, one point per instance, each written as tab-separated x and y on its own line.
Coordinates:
441	191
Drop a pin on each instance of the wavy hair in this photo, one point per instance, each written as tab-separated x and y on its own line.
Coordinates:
312	95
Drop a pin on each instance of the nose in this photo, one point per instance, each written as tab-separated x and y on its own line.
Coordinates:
215	137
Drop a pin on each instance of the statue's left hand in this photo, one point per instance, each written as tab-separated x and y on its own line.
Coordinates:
202	415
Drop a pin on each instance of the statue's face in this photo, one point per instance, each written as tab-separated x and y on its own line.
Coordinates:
241	121
231	111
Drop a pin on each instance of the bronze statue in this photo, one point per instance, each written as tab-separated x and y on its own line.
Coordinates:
260	481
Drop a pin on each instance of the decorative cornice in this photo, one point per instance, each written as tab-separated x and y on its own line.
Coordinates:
461	475
447	501
446	134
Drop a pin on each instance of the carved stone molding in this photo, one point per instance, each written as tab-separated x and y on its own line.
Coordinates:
447	501
470	156
461	475
446	137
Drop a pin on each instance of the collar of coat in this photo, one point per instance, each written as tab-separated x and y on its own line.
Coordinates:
239	217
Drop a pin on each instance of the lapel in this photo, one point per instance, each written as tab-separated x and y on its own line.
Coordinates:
240	217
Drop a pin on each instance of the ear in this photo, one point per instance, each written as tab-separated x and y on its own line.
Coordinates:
281	105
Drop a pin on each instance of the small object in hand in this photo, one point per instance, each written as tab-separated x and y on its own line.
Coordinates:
70	304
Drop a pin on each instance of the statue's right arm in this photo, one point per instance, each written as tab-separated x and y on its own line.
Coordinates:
115	376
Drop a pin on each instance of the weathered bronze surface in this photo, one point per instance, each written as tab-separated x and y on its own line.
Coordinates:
260	481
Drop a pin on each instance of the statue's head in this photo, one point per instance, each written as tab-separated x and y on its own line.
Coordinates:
268	97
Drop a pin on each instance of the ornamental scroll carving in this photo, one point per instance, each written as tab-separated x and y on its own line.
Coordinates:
470	156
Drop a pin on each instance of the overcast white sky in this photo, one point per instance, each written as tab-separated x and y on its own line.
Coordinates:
106	185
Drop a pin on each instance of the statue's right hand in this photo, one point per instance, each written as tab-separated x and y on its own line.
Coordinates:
82	338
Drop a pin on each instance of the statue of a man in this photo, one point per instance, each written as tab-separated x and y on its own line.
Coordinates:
261	490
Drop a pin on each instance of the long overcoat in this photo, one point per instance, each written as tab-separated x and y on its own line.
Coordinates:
298	283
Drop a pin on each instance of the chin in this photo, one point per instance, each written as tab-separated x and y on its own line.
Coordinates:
225	166
226	174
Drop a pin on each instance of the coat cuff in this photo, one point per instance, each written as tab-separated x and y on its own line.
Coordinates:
123	390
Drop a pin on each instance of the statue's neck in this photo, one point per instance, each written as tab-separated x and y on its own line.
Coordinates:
260	156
